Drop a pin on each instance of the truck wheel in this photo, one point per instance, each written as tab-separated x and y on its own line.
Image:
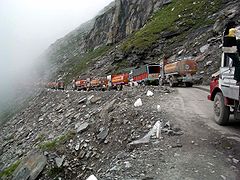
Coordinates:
171	84
188	84
161	82
221	111
119	87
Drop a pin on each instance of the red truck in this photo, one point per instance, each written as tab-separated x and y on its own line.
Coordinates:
224	93
116	81
147	74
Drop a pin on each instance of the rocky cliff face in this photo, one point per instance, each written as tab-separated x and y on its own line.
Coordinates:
131	32
124	18
114	23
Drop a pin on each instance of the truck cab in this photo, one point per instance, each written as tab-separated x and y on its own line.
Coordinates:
224	92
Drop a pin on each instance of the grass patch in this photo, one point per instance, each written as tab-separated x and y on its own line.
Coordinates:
55	171
177	15
53	144
40	138
8	171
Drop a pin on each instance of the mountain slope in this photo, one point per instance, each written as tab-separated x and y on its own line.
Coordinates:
128	33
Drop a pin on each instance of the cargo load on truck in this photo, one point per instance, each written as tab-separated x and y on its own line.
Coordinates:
178	73
116	81
147	74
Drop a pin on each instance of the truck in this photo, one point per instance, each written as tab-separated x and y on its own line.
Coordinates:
224	92
79	84
146	74
116	81
99	83
178	73
56	85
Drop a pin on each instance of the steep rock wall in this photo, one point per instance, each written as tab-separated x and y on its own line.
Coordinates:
124	18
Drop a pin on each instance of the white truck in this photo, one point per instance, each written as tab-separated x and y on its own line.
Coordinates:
224	92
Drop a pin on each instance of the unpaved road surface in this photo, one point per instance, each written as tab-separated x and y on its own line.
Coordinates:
212	148
191	146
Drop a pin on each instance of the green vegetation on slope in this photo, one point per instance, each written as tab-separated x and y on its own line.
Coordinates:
180	14
79	64
8	171
53	144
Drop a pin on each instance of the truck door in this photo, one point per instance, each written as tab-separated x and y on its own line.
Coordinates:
228	84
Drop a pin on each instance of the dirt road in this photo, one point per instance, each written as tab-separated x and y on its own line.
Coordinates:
193	102
208	150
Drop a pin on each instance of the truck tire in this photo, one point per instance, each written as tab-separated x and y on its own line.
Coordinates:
161	82
119	87
188	84
171	84
221	111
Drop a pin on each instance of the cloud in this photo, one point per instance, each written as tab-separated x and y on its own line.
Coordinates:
28	27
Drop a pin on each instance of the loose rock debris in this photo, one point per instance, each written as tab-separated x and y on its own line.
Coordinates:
76	139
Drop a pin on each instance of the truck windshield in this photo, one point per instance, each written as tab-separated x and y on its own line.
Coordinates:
154	69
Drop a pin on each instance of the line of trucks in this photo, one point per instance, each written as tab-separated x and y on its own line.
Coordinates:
174	74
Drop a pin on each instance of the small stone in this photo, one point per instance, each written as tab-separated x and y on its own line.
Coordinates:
59	161
210	164
82	100
92	177
115	168
177	146
81	155
77	147
103	134
223	177
236	161
66	164
176	155
204	48
149	93
82	127
127	164
138	103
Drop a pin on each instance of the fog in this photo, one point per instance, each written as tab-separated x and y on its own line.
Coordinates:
27	28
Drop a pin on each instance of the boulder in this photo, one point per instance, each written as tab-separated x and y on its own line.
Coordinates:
30	167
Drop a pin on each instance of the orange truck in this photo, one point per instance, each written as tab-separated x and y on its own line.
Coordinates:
177	73
99	83
79	84
56	85
90	84
116	81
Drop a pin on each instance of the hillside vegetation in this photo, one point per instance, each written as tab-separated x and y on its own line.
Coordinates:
171	23
177	15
